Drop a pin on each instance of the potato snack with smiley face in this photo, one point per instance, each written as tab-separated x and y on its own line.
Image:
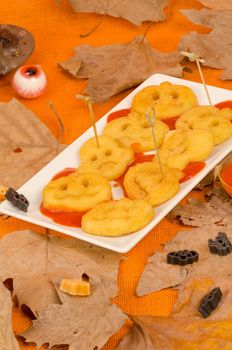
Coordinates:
76	193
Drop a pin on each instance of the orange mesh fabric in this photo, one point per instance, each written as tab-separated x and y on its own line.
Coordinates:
57	30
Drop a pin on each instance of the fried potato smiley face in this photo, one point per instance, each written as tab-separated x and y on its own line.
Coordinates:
202	117
145	181
182	147
109	160
133	130
167	99
76	193
117	218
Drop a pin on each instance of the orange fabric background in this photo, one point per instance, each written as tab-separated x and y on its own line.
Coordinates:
57	30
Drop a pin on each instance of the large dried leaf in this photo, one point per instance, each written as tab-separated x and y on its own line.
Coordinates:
84	323
7	338
26	144
34	261
214	47
217	210
133	11
136	339
156	274
217	4
114	68
186	328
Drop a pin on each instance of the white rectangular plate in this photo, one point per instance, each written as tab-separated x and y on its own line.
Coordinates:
70	158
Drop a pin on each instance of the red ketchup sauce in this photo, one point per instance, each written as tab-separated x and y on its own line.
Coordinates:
224	104
72	219
171	122
118	114
226	179
191	170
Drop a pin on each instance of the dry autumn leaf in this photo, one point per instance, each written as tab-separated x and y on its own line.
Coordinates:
214	47
185	328
156	274
217	4
52	258
137	339
7	338
133	11
83	323
26	144
113	68
217	210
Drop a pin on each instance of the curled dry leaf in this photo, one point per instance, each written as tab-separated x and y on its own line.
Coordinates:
7	338
114	68
16	45
186	328
155	275
217	210
217	4
133	11
214	47
83	323
137	339
26	144
52	258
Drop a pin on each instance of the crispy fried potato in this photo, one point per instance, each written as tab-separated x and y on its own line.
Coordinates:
226	113
182	147
109	160
145	181
202	117
76	192
168	100
132	130
117	218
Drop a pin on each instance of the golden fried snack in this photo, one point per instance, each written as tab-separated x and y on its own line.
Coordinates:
167	99
132	130
75	193
109	160
75	287
226	113
117	218
181	147
145	181
202	117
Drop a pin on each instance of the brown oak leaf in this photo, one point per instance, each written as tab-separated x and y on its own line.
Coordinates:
135	12
34	261
214	47
217	210
83	323
7	338
113	68
185	328
26	144
156	274
217	4
137	339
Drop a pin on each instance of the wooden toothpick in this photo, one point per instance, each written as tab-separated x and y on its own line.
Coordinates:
195	58
151	122
89	101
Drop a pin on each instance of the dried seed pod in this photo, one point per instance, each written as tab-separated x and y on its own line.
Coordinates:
210	301
221	245
182	257
17	200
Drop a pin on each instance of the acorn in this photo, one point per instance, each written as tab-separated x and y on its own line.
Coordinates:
29	81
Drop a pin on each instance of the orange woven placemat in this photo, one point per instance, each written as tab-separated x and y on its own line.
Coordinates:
57	30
